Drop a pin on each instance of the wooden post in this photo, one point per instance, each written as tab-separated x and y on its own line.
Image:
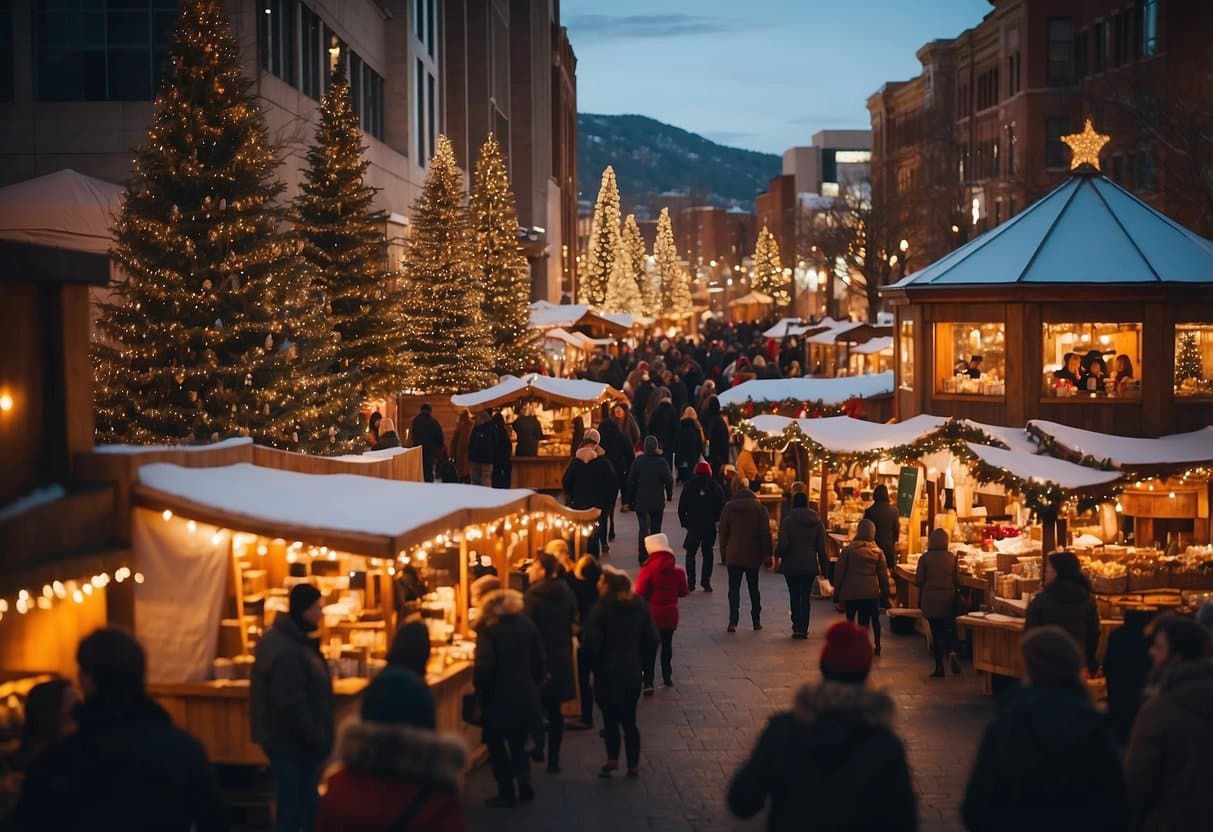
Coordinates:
461	595
1048	536
238	579
824	501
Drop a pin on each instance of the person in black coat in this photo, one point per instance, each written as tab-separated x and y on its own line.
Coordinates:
640	401
884	515
482	449
620	452
663	422
689	444
529	433
1048	761
650	485
589	482
717	432
1126	666
699	508
549	602
1067	602
500	476
618	634
800	557
126	767
583	581
507	674
426	432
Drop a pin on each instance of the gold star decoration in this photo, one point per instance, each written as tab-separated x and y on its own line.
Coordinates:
1085	146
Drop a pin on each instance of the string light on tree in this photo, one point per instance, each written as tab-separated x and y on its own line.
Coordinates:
672	279
604	242
632	246
769	275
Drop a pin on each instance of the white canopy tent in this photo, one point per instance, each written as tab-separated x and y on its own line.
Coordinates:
64	209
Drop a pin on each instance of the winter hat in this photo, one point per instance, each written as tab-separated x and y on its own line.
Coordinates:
386	425
939	540
655	543
689	413
703	469
482	586
1051	657
303	596
847	655
398	696
866	530
591	437
650	444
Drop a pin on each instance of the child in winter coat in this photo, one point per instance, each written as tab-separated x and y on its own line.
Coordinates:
661	583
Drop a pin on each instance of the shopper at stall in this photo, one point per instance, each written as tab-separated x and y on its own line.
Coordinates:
649	486
861	580
528	432
716	429
291	707
583	580
1067	601
459	445
550	603
800	557
745	543
396	772
833	762
661	583
883	515
1048	760
426	433
589	482
699	508
507	673
482	449
1170	752
387	436
411	647
1126	667
620	451
936	582
502	467
618	635
747	468
689	444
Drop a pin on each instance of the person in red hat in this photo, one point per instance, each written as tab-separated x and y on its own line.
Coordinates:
821	762
661	583
699	508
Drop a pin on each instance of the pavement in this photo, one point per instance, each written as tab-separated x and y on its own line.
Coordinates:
696	734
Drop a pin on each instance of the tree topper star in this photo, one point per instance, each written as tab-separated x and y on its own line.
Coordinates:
1085	146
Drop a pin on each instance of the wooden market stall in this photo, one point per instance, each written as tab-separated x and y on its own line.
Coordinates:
219	548
559	401
569	352
750	307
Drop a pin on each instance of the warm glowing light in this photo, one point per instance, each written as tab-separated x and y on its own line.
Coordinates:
6	402
167	515
1085	146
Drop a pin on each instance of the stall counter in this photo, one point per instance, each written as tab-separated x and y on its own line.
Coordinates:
539	473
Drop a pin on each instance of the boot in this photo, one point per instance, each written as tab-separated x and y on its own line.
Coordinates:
938	674
955	660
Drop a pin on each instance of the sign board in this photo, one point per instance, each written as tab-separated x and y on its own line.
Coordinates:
908	484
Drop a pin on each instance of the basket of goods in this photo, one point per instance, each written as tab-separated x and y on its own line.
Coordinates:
1106	577
1193	569
1146	573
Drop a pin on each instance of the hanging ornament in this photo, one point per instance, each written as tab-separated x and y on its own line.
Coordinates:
235	284
269	342
295	436
215	436
174	213
179	377
267	410
332	432
222	204
193	394
248	380
206	285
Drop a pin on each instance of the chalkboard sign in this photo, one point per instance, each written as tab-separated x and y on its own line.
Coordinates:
907	489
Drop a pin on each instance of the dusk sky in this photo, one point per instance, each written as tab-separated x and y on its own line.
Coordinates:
763	75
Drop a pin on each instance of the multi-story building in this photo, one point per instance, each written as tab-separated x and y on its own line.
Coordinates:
835	160
509	69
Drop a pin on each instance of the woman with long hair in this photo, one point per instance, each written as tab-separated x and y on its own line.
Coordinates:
861	580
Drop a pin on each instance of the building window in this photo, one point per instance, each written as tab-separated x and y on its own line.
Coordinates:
970	359
311	52
1194	360
355	70
423	150
430	26
279	35
372	102
1102	42
1147	27
431	121
1147	180
1082	52
1013	83
99	50
905	356
1092	360
1061	53
1055	150
419	19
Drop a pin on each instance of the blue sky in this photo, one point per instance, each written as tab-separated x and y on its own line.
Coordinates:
763	74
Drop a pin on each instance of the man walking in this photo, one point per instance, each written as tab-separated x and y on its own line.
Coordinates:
427	433
699	508
589	482
745	542
650	485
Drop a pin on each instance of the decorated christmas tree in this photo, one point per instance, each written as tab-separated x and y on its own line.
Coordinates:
343	241
623	293
604	242
448	341
769	277
213	329
674	284
1188	364
633	246
502	267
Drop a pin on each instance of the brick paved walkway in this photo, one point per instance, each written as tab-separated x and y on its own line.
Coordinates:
695	735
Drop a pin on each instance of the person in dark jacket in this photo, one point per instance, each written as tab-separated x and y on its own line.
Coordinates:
689	444
427	433
552	606
833	762
716	429
663	422
640	401
1126	667
1170	752
460	440
482	449
583	580
621	414
529	433
936	582
396	772
411	647
507	673
801	556
500	476
1066	600
861	580
1048	761
650	485
589	482
291	707
661	583
883	515
745	543
699	508
387	436
126	767
620	450
619	633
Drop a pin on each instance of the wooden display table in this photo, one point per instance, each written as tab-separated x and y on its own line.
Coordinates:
995	646
538	473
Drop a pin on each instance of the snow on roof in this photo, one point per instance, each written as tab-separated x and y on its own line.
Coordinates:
1088	230
234	442
574	339
881	344
786	326
833	391
1017	439
64	209
752	298
562	391
546	315
622	318
845	435
830	335
1043	469
1128	452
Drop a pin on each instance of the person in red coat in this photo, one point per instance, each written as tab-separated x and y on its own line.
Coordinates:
396	772
661	583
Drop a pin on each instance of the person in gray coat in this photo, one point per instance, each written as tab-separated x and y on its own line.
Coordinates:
650	485
745	543
936	582
801	556
861	580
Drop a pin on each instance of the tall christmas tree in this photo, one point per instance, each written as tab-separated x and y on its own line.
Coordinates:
214	330
448	341
343	240
633	246
769	277
673	282
1188	364
604	242
502	267
623	294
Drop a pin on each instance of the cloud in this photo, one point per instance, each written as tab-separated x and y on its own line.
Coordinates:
587	28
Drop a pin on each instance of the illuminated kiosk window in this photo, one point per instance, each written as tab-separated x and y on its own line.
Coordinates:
1092	360
970	359
905	351
1194	360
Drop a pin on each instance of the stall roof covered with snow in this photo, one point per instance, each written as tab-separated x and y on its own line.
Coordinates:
843	435
562	392
829	391
546	315
1177	451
